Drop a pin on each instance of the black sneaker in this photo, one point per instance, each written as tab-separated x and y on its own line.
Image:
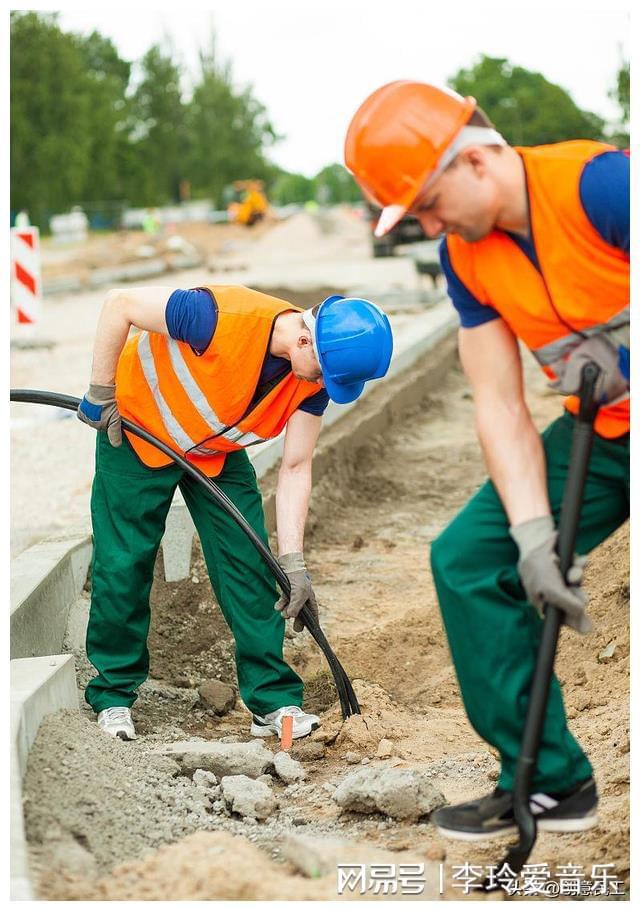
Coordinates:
573	810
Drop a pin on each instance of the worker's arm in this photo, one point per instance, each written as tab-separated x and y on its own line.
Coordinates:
515	458
294	480
510	442
292	504
143	308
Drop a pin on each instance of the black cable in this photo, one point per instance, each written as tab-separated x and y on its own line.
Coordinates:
348	700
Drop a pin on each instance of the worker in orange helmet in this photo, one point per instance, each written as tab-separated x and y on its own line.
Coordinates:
536	249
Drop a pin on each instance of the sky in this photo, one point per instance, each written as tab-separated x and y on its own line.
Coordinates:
311	64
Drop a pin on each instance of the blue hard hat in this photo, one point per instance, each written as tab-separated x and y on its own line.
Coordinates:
353	343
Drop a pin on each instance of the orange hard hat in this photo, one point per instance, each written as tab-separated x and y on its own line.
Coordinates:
396	139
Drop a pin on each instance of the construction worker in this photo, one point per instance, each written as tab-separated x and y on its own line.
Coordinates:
536	249
212	371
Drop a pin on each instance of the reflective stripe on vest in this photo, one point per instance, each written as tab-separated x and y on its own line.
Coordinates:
172	426
548	355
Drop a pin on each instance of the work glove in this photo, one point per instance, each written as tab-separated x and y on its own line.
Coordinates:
539	568
301	590
99	410
605	350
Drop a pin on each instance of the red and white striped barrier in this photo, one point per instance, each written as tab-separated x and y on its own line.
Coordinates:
26	283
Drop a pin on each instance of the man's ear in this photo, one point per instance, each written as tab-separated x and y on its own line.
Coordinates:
476	157
304	339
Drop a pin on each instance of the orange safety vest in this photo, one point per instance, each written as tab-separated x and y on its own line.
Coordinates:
202	405
582	287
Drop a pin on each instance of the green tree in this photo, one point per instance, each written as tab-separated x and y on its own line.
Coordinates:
229	130
621	94
50	143
107	80
157	131
291	188
524	106
335	184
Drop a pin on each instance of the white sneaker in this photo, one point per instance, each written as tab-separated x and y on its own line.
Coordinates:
268	725
117	722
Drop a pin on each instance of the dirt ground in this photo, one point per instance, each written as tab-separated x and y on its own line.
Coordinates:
93	807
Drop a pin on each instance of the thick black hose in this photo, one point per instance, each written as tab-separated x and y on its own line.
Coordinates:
348	701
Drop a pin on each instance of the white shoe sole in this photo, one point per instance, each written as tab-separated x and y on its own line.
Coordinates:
580	824
118	735
270	730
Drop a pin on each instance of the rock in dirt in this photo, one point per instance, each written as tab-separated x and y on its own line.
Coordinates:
217	696
319	857
246	797
385	749
308	752
251	759
204	779
352	757
288	769
400	793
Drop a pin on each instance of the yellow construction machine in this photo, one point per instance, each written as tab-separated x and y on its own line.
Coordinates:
249	202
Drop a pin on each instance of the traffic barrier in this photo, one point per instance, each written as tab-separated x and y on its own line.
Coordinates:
26	282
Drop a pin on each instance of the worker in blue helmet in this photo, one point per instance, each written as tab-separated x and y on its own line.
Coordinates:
212	371
353	343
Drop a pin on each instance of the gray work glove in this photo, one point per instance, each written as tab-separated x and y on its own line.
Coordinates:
539	568
99	410
611	385
301	590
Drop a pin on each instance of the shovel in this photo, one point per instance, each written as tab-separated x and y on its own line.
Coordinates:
581	444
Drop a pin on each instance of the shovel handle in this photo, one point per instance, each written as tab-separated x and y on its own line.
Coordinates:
581	443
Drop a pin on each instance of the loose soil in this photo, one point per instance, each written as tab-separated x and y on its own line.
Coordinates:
93	804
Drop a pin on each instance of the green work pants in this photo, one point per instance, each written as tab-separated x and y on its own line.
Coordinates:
492	629
129	506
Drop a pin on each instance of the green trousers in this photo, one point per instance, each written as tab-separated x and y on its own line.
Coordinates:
129	506
492	629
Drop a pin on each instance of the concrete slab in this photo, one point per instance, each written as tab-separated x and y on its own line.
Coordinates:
45	580
39	686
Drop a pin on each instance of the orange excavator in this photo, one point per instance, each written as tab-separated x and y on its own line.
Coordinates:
249	203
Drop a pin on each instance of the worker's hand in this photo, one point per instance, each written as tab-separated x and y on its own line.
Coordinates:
301	590
99	410
611	385
539	568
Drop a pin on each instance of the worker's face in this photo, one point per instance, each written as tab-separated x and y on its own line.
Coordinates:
463	199
304	363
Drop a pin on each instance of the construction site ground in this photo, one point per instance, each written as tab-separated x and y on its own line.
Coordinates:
93	803
94	806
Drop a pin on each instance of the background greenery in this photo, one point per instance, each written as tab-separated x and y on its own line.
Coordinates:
89	128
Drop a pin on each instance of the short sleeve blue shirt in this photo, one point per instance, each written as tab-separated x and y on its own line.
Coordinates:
192	317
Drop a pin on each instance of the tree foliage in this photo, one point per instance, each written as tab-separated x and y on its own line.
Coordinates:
524	106
621	94
88	126
50	147
92	128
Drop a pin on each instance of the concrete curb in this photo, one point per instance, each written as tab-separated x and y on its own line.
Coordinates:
39	686
45	581
127	272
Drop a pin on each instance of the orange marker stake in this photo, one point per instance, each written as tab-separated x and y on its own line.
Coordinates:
286	738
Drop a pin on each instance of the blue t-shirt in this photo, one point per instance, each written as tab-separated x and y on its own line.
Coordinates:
192	317
604	194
